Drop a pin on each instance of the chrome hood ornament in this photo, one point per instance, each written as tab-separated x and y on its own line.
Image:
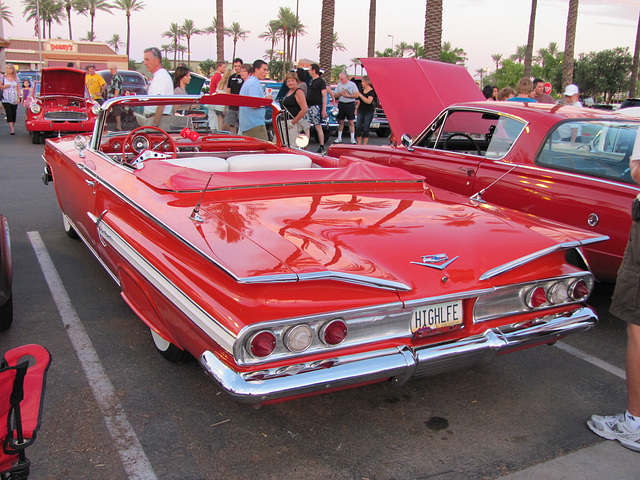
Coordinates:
439	261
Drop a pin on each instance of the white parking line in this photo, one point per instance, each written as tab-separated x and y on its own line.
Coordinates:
134	460
618	372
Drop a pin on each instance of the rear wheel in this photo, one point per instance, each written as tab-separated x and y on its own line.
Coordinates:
68	229
6	315
35	137
168	350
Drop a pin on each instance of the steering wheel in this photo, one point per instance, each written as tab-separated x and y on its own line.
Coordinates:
464	135
145	142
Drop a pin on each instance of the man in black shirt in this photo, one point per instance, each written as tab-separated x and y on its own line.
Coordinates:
233	86
317	102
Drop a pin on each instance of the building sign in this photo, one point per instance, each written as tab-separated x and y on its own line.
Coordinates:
62	46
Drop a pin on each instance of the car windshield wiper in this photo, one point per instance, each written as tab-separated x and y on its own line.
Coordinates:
477	197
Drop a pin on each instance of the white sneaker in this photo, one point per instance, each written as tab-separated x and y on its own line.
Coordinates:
615	428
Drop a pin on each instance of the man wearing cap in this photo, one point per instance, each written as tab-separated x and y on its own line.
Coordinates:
160	84
95	83
571	132
572	95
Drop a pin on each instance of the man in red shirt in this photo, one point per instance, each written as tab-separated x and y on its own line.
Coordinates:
221	67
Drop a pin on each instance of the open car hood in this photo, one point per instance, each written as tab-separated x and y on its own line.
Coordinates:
62	81
429	87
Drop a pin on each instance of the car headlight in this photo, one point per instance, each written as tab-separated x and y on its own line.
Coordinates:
95	108
35	108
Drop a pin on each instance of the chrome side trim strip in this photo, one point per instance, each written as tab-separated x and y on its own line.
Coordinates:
494	272
330	275
400	364
183	302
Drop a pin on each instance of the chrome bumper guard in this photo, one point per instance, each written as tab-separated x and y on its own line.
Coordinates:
399	364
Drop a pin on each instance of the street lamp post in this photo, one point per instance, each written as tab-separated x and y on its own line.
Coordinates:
391	41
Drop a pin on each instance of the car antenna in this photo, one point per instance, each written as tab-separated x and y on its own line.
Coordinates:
478	196
195	216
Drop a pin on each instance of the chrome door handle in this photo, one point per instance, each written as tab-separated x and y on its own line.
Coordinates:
91	183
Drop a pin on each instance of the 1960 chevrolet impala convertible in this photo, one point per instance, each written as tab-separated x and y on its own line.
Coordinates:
288	273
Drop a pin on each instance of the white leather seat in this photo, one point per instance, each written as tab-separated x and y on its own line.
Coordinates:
252	162
205	164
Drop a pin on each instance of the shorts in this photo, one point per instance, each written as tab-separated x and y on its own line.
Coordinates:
314	115
346	110
625	303
259	132
231	117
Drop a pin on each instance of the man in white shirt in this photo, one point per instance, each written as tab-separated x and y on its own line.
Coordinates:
160	84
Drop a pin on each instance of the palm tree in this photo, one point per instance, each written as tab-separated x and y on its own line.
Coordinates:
5	15
401	48
449	54
115	42
166	49
272	34
90	37
336	45
416	49
356	63
529	50
371	43
174	34
49	11
236	32
634	67
219	30
433	30
569	43
129	6
90	7
188	30
326	34
520	54
68	6
497	57
290	27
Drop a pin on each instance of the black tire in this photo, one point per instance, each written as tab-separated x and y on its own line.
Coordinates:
6	315
168	350
383	132
35	138
68	229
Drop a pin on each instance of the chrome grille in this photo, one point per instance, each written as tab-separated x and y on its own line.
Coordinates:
66	116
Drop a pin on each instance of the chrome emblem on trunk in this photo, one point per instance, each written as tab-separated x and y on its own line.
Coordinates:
439	261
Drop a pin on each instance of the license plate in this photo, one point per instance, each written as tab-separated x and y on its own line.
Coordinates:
375	125
429	318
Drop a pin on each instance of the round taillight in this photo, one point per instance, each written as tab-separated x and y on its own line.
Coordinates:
262	344
298	338
558	293
334	332
579	290
536	297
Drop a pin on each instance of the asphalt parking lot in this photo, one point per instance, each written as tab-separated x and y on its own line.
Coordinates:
114	408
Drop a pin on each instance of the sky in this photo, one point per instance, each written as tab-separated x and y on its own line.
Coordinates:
480	27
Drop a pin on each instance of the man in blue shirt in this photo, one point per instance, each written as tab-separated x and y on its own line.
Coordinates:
524	88
252	119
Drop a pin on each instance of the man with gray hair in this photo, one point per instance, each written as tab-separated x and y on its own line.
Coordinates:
346	92
114	90
160	84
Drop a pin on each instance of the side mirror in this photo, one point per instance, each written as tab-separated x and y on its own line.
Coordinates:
80	142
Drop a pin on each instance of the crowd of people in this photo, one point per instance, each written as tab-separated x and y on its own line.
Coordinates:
531	91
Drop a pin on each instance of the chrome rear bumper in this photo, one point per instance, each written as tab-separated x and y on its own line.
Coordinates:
400	364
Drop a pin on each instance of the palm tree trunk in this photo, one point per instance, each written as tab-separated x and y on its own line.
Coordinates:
433	30
569	44
326	35
220	32
636	65
371	45
128	32
528	56
68	8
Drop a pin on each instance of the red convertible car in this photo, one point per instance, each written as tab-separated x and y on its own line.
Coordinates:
60	103
287	273
513	154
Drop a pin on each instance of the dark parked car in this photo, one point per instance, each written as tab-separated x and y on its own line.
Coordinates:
131	80
6	275
630	102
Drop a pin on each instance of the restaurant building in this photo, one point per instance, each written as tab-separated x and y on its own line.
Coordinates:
26	54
